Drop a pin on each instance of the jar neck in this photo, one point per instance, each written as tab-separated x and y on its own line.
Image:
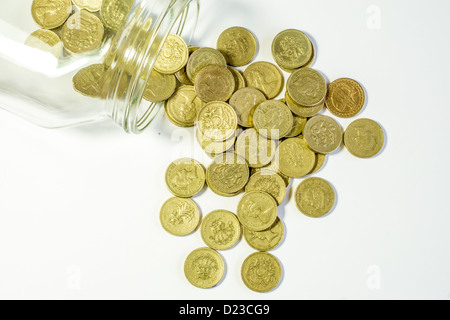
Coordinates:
133	53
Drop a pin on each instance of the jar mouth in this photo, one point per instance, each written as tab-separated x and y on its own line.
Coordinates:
133	53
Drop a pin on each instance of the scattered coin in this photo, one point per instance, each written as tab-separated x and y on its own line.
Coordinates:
244	101
266	77
323	134
160	87
215	83
217	121
204	268
261	272
364	138
238	45
185	177
315	197
273	119
114	13
91	5
179	216
257	150
307	87
265	240
202	58
173	56
294	158
221	230
257	210
90	80
292	49
269	182
228	174
183	107
51	14
345	98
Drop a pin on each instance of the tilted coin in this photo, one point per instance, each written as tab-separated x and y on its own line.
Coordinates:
323	134
364	138
184	106
307	87
292	49
238	45
202	58
204	268
261	272
273	119
265	240
238	78
215	83
244	101
297	127
173	56
90	81
315	197
217	121
269	182
82	32
214	148
266	77
345	98
228	173
294	158
45	40
301	111
51	14
160	87
256	149
185	177
221	230
320	161
114	13
179	216
182	74
257	210
91	5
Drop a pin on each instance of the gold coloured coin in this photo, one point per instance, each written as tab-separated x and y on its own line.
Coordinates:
201	58
215	83
266	77
301	111
179	216
160	87
273	119
261	272
297	128
90	81
238	78
320	161
91	5
315	197
364	138
294	158
182	75
204	268
269	182
345	98
51	14
323	134
185	177
256	149
45	40
82	32
244	101
228	174
173	56
292	49
217	121
221	230
183	106
271	169
238	45
307	87
114	13
214	148
257	210
265	240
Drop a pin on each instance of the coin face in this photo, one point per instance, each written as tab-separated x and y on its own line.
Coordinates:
179	216
294	158
173	56
266	77
261	272
307	87
183	106
182	74
228	173
90	81
273	119
297	127
292	49
315	197
238	46
202	58
91	5
257	210
215	83
51	14
160	87
214	148
265	240
345	98
217	121
257	150
244	101
221	230
323	134
185	177
268	182
45	40
114	13
301	111
204	268
364	138
82	32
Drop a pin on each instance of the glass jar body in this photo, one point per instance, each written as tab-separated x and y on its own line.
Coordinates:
98	68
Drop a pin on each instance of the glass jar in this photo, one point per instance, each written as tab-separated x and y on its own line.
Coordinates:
36	83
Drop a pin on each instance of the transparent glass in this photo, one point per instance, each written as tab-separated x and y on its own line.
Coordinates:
37	84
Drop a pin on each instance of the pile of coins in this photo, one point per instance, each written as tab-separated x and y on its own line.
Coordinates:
258	145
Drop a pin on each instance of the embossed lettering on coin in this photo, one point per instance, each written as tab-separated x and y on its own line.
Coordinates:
261	272
345	98
51	14
204	268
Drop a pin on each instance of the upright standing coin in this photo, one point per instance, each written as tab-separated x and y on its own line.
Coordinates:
238	45
273	119
256	149
183	106
307	87
51	14
185	177
45	40
228	173
269	182
244	101
261	272
91	5
292	49
217	121
315	197
90	80
265	240
221	230
179	216
173	56
257	210
266	77
215	83
202	58
82	32
364	138
114	13
323	134
294	158
204	268
160	87
345	98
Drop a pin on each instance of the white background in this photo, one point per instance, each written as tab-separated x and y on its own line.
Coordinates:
79	207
